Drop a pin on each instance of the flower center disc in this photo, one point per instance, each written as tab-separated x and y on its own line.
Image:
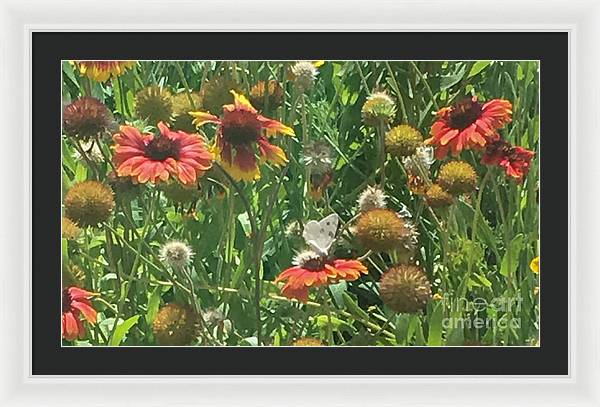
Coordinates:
464	114
241	128
161	148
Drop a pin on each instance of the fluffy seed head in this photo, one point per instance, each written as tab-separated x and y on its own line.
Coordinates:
180	193
307	342
174	325
384	229
317	157
181	106
405	288
378	108
437	197
176	254
304	73
217	92
457	177
308	259
86	117
403	140
371	198
89	203
272	91
154	105
70	230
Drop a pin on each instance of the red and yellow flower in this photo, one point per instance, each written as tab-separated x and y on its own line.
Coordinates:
515	160
242	135
468	125
145	157
103	70
76	302
313	270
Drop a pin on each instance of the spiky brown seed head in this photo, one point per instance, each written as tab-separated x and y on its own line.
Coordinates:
89	203
371	198
457	177
304	73
181	120
384	229
272	91
405	288
378	108
153	104
86	117
307	342
403	140
180	193
174	325
217	92
70	230
437	197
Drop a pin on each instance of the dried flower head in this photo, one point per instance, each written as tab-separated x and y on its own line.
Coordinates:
305	73
217	92
403	140
384	229
272	93
371	198
174	325
154	105
405	288
437	197
85	118
307	342
457	177
316	156
378	108
89	203
70	230
181	118
213	316
176	254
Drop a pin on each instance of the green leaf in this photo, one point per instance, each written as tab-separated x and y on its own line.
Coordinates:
478	67
337	290
336	323
122	330
513	252
435	325
353	307
450	80
153	304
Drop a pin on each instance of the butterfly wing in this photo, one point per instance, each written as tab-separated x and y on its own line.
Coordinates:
321	235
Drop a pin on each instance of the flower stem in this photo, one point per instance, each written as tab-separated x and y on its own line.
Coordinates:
398	93
382	153
188	91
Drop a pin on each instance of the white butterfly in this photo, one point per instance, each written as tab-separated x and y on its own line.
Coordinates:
320	235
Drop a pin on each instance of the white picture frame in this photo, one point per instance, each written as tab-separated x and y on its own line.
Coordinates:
581	18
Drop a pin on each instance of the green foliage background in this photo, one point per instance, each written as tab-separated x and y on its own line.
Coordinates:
120	258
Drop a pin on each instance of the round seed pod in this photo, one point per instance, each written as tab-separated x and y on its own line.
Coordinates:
405	288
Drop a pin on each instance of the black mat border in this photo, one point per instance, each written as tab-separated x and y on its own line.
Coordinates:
50	47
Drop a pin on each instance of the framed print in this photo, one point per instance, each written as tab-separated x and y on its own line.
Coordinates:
311	207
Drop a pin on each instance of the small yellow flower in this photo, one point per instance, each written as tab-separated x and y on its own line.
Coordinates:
438	297
535	265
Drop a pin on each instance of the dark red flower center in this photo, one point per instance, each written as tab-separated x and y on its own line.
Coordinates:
161	148
464	114
66	301
241	128
316	263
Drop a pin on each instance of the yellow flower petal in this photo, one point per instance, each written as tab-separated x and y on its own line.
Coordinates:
535	265
241	102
